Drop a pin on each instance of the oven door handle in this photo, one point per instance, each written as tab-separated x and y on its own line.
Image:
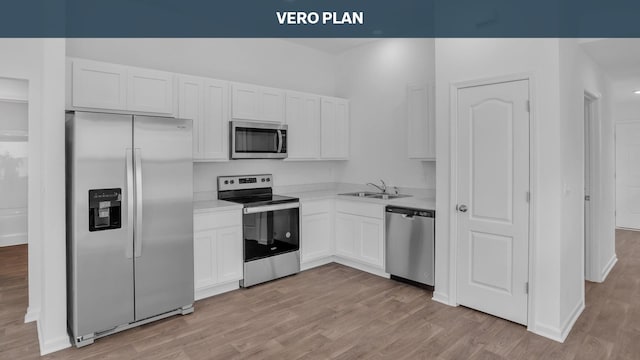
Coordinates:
265	208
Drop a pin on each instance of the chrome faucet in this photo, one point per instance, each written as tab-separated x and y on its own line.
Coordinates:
382	188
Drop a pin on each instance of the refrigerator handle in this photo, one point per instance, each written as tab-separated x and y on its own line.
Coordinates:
128	252
138	181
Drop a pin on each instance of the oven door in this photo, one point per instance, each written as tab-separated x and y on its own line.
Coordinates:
270	230
251	140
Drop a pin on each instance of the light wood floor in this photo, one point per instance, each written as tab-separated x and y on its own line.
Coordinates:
338	312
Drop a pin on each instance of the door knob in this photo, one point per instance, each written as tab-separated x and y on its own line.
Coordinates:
462	208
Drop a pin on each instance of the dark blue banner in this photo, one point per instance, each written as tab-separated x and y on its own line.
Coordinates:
320	18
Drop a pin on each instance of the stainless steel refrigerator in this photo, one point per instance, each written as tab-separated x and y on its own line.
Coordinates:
129	221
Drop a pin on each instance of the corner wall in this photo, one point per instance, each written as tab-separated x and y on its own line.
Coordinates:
374	77
41	63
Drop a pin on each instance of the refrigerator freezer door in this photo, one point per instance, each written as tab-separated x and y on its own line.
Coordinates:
100	265
164	214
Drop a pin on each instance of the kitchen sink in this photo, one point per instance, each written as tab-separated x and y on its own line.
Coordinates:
375	195
359	194
387	196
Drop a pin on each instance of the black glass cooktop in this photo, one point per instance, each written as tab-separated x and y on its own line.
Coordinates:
262	200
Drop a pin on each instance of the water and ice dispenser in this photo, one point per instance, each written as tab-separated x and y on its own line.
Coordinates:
105	209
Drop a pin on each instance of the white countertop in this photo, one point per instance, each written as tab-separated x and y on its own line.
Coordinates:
206	202
203	206
417	202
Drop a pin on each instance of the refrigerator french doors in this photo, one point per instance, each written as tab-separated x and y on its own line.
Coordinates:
129	220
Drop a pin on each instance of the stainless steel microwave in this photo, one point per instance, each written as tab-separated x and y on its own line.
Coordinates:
258	140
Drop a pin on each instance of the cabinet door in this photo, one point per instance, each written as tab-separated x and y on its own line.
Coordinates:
334	134
303	119
190	107
252	102
149	91
204	255
245	102
315	242
347	235
229	255
99	85
371	241
420	123
271	105
215	124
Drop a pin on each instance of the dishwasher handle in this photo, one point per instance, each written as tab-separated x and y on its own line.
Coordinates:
410	213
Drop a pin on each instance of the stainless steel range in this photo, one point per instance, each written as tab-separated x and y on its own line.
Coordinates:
271	227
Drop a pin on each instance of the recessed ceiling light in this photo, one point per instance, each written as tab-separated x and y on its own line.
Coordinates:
637	92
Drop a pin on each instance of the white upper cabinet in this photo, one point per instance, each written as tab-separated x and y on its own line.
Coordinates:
149	91
216	120
252	102
303	120
206	102
98	85
190	94
334	124
420	123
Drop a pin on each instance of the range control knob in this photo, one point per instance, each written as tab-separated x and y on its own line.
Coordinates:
232	181
262	180
268	179
226	182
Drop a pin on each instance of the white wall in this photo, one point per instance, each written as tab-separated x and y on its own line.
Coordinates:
41	63
472	59
268	62
375	78
580	74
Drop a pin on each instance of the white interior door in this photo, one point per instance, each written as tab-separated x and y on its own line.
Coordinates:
492	194
628	175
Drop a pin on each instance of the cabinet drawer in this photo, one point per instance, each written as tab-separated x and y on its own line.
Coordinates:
315	207
215	220
360	208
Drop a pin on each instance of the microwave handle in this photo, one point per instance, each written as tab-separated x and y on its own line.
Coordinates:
279	141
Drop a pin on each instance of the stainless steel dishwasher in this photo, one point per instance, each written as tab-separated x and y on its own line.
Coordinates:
410	245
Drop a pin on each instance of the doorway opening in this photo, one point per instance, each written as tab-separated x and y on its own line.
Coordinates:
590	127
14	119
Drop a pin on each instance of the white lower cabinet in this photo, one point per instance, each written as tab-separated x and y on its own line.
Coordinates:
360	233
316	227
217	246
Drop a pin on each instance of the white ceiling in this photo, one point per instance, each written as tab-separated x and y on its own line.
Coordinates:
330	45
620	59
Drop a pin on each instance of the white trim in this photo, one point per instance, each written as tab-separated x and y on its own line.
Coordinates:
571	320
453	181
51	345
216	290
13	239
31	315
315	263
560	334
441	298
607	269
626	228
356	265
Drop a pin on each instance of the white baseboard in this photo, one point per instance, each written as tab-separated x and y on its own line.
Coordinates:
315	263
216	290
31	315
366	268
14	239
441	298
47	346
560	334
607	269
